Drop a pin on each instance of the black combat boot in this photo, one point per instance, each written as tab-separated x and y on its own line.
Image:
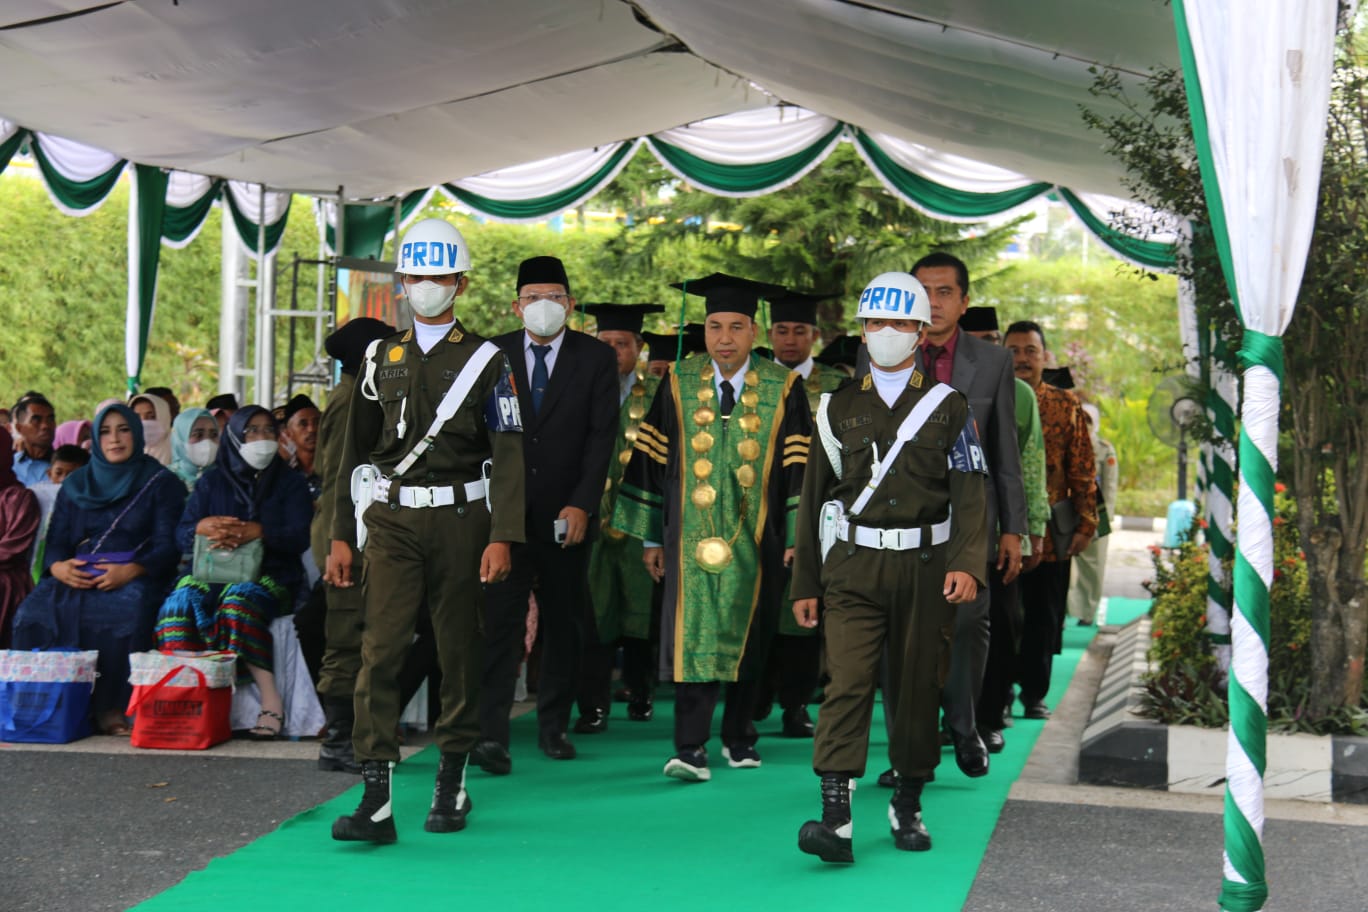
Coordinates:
373	820
450	802
829	838
904	815
335	753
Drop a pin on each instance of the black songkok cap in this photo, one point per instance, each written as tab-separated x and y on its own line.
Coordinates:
1060	377
979	319
621	317
796	307
543	270
841	350
296	405
729	294
223	401
348	343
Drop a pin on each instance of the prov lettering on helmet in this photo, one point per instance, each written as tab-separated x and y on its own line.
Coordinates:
887	299
429	254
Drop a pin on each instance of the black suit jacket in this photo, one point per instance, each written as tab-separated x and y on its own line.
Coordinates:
567	446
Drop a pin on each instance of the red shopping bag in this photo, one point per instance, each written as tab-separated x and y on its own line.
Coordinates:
180	718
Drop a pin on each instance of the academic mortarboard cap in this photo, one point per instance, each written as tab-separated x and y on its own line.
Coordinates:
223	401
796	306
664	347
979	319
729	294
840	351
621	317
542	270
348	343
297	404
1059	377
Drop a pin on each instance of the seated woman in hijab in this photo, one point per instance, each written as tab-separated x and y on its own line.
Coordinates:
109	560
249	494
194	444
156	420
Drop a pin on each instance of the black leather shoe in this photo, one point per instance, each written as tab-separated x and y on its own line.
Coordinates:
888	779
970	754
797	723
558	747
993	740
1036	710
641	711
492	757
594	723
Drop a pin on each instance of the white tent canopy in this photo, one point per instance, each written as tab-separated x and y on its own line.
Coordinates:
385	97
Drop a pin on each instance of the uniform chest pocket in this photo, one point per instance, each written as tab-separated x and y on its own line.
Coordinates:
924	455
857	456
467	419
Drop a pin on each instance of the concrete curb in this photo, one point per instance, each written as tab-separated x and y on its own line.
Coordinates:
1119	748
1140	523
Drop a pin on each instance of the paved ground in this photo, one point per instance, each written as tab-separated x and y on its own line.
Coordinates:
98	826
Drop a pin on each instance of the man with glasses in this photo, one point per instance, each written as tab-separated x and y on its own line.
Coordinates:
35	423
567	386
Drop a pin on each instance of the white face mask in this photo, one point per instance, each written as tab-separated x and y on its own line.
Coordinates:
153	433
202	452
544	317
889	347
258	453
428	299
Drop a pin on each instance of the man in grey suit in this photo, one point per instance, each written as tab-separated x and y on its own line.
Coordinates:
984	374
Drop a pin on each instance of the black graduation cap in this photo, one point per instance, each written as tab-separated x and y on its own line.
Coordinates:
223	401
1060	377
840	351
621	317
348	343
979	319
730	294
796	306
663	347
542	270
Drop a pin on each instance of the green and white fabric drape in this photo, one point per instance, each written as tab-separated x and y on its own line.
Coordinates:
533	191
368	225
11	139
79	178
1258	85
245	203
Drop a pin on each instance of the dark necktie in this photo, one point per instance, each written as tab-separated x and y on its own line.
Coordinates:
932	355
540	375
728	398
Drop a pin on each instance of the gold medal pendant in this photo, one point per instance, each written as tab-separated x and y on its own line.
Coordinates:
702	468
713	554
748	450
702	442
704	496
745	476
625	457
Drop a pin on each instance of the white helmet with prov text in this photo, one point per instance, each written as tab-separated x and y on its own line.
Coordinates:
894	296
432	247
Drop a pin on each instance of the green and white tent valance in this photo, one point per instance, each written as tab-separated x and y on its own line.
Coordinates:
533	191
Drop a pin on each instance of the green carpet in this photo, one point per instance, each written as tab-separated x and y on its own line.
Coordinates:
609	832
1121	611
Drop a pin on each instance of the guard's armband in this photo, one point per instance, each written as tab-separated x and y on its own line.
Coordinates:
501	408
967	453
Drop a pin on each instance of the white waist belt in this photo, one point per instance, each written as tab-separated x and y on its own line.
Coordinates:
891	539
419	496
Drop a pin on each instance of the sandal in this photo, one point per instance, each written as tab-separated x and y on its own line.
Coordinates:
260	732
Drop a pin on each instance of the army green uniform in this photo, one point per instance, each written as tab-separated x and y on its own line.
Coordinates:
432	553
874	596
342	623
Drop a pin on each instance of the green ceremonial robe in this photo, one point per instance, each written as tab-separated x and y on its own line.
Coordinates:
717	623
619	583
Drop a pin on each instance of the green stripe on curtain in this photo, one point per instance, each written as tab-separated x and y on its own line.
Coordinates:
78	196
179	223
542	206
150	183
1150	254
247	229
366	226
11	146
938	198
743	180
